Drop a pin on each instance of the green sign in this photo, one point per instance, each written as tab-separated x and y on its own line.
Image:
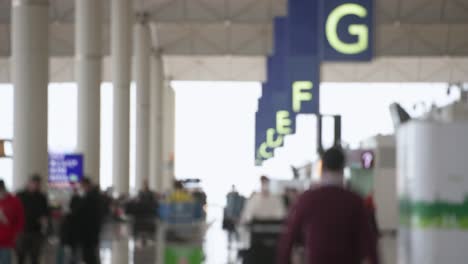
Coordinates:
183	255
438	214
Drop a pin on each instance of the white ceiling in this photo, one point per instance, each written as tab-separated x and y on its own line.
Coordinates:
220	39
261	11
251	68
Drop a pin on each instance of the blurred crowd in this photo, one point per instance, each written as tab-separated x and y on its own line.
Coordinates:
326	223
28	220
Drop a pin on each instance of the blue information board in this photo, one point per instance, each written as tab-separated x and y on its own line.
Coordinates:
303	22
65	168
314	31
347	30
275	118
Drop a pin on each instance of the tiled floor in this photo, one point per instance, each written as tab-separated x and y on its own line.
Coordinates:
119	248
388	250
123	251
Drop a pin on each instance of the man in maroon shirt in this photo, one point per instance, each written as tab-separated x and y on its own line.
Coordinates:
331	222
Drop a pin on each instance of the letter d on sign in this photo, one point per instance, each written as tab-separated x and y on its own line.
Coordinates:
302	92
270	139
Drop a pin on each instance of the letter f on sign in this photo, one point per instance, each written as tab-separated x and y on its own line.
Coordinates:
302	92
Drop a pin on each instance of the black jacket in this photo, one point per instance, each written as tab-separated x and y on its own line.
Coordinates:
35	207
70	227
89	217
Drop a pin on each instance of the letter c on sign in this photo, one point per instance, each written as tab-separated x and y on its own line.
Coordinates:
361	31
263	152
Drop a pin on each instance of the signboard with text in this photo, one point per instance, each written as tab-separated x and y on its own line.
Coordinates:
274	116
347	29
314	31
65	168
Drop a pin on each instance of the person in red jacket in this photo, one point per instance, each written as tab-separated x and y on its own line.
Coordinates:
332	222
11	223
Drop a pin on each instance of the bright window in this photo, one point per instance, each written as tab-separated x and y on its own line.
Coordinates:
215	127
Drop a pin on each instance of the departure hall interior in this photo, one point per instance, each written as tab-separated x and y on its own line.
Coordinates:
234	131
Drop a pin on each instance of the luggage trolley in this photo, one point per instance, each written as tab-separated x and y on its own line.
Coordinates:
181	232
264	238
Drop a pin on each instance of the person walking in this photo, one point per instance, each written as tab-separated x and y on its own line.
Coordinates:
332	222
11	223
68	234
36	210
89	220
232	214
263	205
144	210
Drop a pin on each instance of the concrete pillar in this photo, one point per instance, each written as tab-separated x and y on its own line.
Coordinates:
156	121
142	52
169	128
30	75
121	51
88	59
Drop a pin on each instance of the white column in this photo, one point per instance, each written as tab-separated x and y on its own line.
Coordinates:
121	42
142	51
88	58
169	114
156	122
30	75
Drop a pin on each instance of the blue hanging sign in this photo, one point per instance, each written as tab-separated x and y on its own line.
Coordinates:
304	83
314	31
262	150
303	62
65	168
274	118
347	30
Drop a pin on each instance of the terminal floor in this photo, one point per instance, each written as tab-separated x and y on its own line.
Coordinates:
118	247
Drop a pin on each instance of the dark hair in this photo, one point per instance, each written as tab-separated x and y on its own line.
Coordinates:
178	185
334	159
36	178
264	179
2	185
86	181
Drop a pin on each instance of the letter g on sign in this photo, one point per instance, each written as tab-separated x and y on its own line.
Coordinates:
359	30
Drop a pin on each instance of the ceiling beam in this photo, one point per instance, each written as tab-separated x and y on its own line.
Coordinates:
226	68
